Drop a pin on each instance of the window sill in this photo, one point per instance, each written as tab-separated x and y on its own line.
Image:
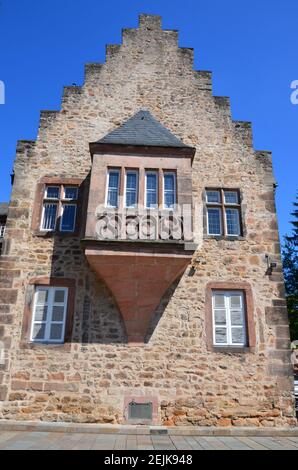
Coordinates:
232	349
59	346
221	237
51	234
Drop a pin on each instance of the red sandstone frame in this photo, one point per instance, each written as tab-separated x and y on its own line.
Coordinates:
249	310
27	318
38	204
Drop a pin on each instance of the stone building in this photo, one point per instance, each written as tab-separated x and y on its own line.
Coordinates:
3	217
141	277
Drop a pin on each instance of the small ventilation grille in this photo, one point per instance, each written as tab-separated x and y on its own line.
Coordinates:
140	410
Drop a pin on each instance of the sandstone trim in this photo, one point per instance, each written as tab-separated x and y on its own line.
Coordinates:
27	318
249	313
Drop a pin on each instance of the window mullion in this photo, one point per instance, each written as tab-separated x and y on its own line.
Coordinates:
160	189
213	320
65	312
229	328
122	188
244	327
51	291
60	208
223	213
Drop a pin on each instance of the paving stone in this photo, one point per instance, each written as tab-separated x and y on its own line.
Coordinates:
253	443
234	443
84	441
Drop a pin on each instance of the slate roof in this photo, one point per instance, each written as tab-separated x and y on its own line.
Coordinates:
3	208
142	129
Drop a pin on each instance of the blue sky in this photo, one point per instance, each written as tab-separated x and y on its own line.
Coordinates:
251	48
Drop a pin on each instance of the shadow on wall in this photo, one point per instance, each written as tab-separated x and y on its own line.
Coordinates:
96	317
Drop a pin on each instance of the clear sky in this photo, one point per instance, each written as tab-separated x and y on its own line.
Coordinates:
251	47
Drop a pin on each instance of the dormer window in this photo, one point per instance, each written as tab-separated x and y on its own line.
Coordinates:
140	174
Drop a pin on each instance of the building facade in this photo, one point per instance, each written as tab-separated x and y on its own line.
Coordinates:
3	217
141	278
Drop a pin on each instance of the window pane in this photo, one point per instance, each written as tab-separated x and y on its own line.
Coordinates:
235	301
219	300
220	335
233	227
41	313
131	181
49	217
56	331
113	198
52	192
131	189
220	317
236	317
231	197
131	198
59	295
151	200
68	218
42	296
169	190
113	179
214	225
213	196
238	336
151	190
169	200
58	313
113	189
71	193
169	182
39	331
151	181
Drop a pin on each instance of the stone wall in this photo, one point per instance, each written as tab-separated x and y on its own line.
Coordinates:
88	379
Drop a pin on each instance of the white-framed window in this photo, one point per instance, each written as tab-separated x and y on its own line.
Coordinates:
229	318
49	216
223	212
214	221
131	188
113	186
151	189
49	314
60	202
2	230
169	190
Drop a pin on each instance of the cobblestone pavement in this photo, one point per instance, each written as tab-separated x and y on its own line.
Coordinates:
13	440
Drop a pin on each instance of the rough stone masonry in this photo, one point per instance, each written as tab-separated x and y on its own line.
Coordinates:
96	372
